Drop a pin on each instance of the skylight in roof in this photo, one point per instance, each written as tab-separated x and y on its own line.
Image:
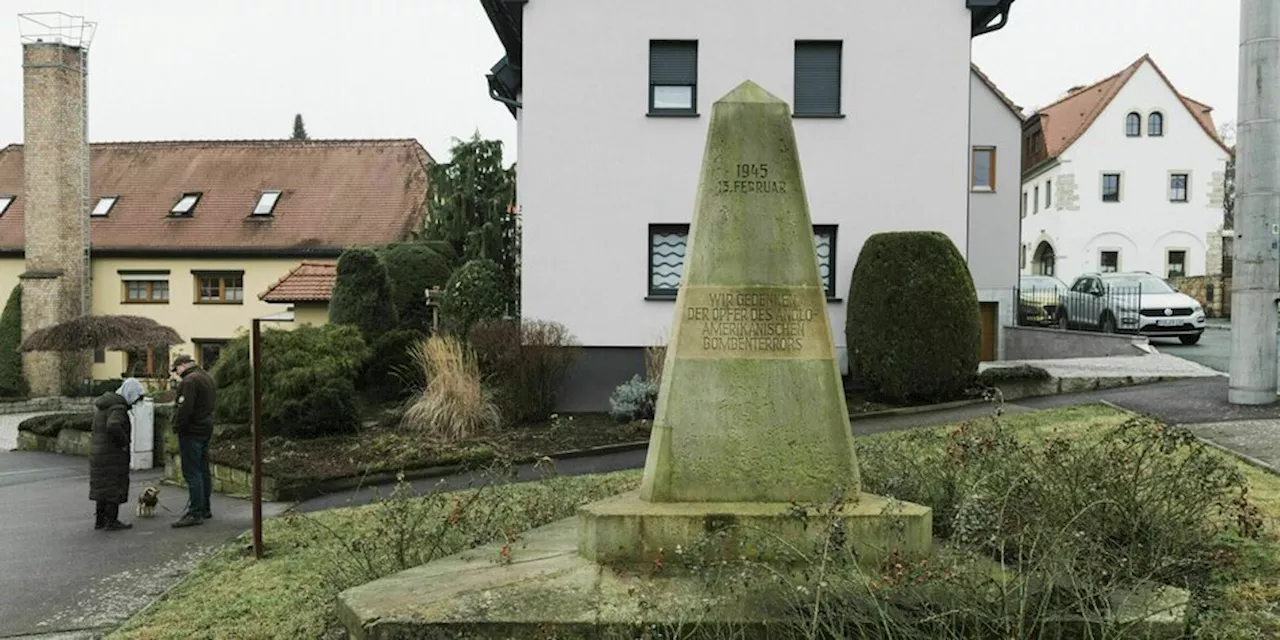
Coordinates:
185	205
5	201
266	202
104	206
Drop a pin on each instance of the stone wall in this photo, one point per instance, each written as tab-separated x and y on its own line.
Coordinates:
1036	343
1212	292
55	205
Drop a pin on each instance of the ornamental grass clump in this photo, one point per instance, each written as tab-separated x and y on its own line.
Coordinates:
452	404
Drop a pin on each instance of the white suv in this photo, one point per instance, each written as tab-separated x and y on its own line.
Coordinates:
1134	302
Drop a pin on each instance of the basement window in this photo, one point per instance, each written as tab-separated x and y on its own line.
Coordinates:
104	206
186	204
5	201
266	202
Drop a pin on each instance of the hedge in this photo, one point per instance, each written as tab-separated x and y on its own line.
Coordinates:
12	384
913	328
413	268
362	294
475	292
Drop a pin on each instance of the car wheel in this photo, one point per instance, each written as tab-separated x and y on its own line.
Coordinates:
1189	340
1108	323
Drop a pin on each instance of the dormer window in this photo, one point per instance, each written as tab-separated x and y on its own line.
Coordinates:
266	202
5	201
1155	125
1133	125
185	205
104	206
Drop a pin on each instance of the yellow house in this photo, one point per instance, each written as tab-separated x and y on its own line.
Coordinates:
182	230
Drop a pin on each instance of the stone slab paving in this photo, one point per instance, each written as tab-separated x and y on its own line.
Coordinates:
1141	366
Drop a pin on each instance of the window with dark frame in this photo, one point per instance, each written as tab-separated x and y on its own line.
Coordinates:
817	78
1177	264
1111	187
1035	202
1024	204
1109	262
146	291
668	242
983	177
220	288
673	77
1178	187
208	351
1048	191
266	202
1133	125
147	363
5	201
1155	125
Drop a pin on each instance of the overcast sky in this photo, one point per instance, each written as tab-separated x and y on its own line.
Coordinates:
235	69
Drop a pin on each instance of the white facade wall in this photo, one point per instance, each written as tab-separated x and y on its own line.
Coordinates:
1144	225
595	171
994	227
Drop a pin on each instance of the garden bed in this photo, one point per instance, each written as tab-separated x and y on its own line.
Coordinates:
293	464
305	553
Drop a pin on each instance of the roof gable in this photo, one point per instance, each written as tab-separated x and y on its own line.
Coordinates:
1067	119
1014	108
307	282
334	194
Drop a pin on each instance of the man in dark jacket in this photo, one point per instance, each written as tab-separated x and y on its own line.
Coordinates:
109	455
193	420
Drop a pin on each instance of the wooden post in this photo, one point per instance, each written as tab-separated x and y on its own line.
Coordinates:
256	365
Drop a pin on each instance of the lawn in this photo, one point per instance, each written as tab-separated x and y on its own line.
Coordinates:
291	592
381	448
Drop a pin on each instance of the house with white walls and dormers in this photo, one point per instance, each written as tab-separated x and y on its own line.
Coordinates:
1126	174
612	102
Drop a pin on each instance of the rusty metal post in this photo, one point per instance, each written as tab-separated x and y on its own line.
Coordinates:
255	360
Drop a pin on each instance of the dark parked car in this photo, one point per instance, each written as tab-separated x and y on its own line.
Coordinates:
1038	300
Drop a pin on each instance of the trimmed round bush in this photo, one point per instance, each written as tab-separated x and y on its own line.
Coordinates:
413	268
913	328
362	294
476	291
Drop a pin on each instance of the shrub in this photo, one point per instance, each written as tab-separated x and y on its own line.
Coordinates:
390	356
413	268
362	294
12	384
307	380
475	292
633	400
1018	373
50	424
913	325
527	360
452	404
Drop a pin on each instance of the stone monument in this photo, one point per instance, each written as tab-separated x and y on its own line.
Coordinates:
751	422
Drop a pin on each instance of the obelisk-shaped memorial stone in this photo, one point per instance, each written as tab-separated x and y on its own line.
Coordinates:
751	407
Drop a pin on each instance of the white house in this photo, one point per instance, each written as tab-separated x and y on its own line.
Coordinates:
612	101
1122	175
995	138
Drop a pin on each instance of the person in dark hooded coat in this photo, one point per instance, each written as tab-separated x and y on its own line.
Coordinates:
109	457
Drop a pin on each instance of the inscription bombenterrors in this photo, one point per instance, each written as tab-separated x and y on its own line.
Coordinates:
722	321
751	178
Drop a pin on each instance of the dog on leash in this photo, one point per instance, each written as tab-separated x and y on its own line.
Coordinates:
147	501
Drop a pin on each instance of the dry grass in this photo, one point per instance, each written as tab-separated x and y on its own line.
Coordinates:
655	356
453	404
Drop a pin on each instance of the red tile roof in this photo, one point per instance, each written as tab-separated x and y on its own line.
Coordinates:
1067	119
307	282
336	194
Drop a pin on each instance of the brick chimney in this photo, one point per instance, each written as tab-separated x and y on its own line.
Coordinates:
56	216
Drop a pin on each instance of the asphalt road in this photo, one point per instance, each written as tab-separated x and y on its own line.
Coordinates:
59	574
1213	350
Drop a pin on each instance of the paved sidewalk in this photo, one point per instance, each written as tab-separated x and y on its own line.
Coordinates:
1140	366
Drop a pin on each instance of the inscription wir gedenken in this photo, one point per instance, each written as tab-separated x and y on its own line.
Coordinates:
751	321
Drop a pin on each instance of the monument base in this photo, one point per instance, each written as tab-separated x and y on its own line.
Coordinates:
625	531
